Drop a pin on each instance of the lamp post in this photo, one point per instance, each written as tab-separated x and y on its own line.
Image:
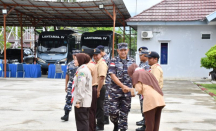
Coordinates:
4	12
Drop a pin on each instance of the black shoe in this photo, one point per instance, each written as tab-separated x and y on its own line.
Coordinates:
106	119
66	116
115	127
99	128
122	130
140	123
141	128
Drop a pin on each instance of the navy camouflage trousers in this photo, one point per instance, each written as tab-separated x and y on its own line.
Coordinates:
68	103
106	101
119	108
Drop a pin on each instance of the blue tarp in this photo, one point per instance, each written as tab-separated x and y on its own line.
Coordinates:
51	71
31	70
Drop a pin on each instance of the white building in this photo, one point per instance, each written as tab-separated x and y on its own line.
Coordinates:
183	31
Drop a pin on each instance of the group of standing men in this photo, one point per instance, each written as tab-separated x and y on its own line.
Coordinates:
109	83
149	62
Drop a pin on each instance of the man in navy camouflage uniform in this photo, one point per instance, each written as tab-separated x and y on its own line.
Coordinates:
120	98
103	53
71	70
143	51
107	85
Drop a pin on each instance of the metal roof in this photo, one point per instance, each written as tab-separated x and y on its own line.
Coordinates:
177	10
76	14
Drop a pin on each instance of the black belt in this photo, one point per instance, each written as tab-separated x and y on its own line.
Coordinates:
95	86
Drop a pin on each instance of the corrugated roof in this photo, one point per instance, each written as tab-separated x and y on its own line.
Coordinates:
177	10
77	14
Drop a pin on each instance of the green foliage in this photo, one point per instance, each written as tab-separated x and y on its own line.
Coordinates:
8	45
92	29
209	61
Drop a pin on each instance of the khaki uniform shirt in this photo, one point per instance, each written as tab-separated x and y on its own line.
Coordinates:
93	69
101	69
152	98
157	71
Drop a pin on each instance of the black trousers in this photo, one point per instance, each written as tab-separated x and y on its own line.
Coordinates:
100	108
82	118
93	109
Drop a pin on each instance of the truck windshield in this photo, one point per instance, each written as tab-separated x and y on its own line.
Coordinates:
95	43
53	46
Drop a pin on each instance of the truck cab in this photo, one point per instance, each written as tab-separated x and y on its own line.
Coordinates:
105	38
55	47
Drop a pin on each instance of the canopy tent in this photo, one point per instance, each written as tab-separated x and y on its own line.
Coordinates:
101	13
77	14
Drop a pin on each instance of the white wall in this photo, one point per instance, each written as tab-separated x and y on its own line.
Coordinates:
185	49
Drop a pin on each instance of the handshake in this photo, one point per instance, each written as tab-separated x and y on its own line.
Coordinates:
126	89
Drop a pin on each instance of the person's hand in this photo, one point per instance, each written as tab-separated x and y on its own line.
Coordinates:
98	93
66	89
77	106
125	89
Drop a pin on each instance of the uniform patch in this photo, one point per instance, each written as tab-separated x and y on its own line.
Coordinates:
93	62
158	65
82	74
80	78
112	64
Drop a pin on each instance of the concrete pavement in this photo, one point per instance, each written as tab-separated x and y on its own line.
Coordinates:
37	105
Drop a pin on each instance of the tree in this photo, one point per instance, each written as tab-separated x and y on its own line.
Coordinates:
8	45
209	61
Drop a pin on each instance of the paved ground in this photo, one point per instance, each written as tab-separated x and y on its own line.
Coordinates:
37	105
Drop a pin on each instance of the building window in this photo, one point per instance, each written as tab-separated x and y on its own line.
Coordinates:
164	53
206	36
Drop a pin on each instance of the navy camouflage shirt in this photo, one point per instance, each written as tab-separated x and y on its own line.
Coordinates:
107	60
71	70
119	67
144	65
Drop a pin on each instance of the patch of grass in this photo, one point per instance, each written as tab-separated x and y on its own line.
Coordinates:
210	87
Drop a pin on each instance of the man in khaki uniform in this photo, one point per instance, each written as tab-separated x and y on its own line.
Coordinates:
101	89
156	69
92	67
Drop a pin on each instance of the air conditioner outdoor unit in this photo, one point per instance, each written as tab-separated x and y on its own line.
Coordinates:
146	34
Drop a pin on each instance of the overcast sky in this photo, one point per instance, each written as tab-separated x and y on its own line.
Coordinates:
141	5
